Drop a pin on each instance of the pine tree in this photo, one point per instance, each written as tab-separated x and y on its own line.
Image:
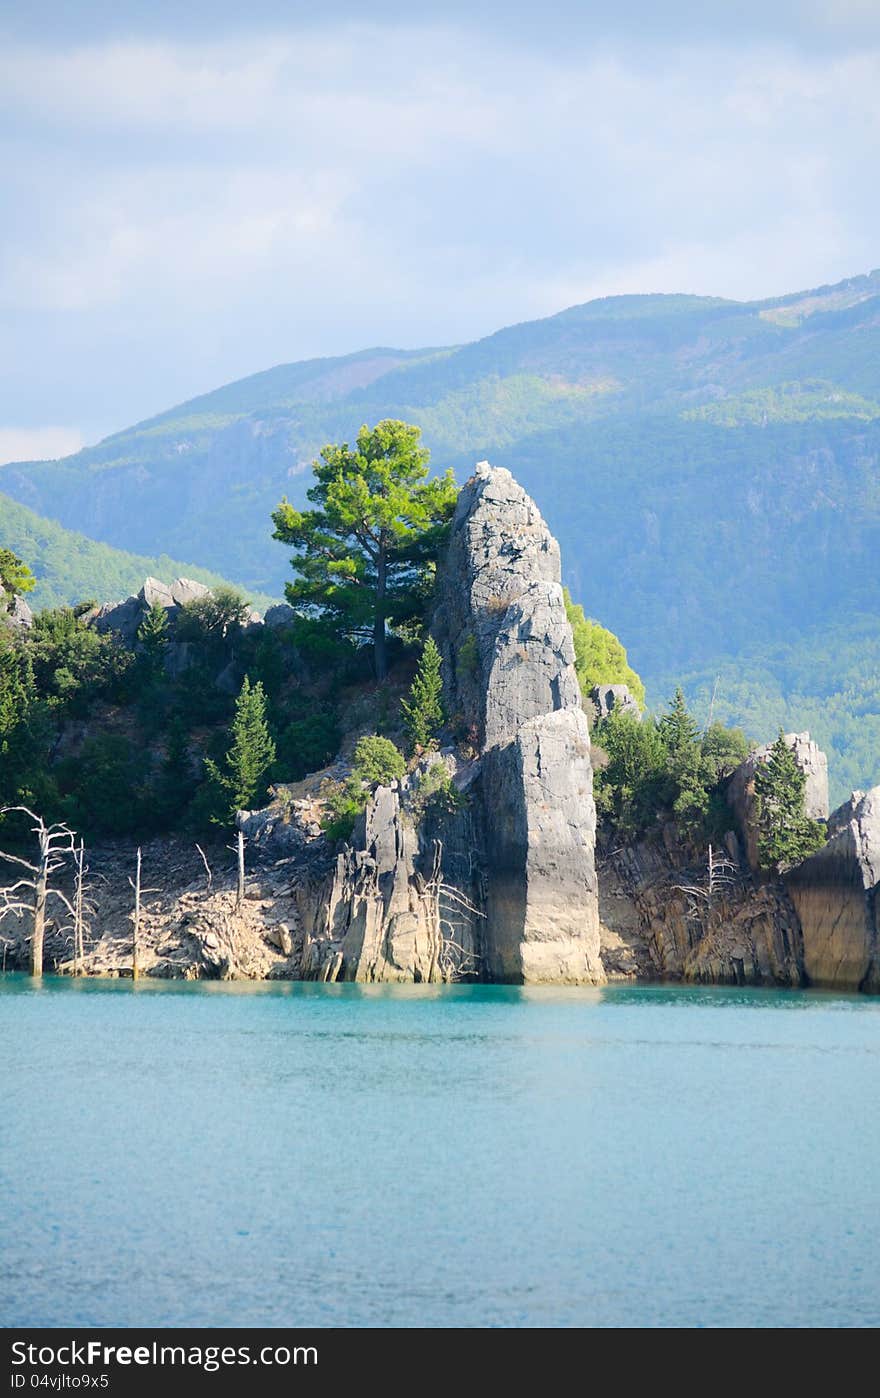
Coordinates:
153	636
364	555
423	711
249	756
678	728
786	835
15	578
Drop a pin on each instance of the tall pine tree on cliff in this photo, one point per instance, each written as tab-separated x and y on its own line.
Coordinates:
786	834
365	551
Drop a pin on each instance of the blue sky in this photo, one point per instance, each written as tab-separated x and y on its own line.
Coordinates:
194	192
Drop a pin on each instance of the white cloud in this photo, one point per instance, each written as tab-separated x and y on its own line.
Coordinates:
216	207
37	443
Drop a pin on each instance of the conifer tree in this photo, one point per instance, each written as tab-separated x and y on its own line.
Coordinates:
786	834
242	780
364	554
423	711
153	636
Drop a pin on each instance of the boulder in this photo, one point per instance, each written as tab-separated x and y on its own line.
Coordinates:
608	697
835	892
282	614
153	592
184	590
741	787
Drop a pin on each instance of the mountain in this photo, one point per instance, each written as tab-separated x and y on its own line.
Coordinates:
710	467
71	568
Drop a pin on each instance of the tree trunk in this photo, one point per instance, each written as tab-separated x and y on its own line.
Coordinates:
239	891
380	661
135	969
40	889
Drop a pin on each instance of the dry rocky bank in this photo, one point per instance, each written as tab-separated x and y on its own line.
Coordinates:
505	881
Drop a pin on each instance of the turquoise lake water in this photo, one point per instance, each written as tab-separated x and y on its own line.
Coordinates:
284	1154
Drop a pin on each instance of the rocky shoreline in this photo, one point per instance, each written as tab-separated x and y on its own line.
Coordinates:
501	879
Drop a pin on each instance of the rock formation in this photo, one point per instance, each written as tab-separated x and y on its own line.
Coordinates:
125	617
504	884
835	892
741	787
608	697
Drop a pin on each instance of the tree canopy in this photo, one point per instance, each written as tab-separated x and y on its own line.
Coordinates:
15	577
599	657
365	552
786	834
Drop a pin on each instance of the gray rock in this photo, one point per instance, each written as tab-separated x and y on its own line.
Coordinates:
184	590
500	621
542	904
741	787
281	614
123	618
608	697
835	892
154	591
18	614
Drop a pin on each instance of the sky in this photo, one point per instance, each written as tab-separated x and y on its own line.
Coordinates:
192	193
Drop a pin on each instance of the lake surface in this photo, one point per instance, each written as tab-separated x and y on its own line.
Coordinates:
223	1154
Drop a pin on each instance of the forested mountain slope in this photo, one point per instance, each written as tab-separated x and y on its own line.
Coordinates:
711	468
72	568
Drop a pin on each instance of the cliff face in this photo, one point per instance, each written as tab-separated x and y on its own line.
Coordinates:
665	916
504	884
835	893
509	662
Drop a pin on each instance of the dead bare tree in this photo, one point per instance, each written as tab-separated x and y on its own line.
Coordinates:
29	895
135	915
83	908
238	851
449	958
723	876
209	877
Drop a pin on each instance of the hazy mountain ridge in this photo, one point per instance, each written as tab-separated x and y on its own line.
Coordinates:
711	468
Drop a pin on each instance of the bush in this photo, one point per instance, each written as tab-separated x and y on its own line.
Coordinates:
377	762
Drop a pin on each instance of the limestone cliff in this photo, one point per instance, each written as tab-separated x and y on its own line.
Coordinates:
504	885
671	915
835	892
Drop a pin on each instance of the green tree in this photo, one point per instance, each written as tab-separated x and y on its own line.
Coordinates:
423	710
153	636
365	552
724	749
599	657
678	728
249	756
15	577
214	619
631	771
786	834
